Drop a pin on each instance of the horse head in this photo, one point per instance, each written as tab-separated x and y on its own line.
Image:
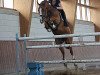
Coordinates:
43	6
50	16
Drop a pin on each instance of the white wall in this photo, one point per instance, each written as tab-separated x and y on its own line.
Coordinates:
37	29
9	24
82	27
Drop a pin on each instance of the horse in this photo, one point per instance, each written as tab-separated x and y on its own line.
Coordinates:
54	23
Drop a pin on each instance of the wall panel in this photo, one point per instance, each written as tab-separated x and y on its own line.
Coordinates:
9	24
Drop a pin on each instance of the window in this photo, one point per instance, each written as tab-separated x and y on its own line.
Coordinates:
83	10
34	6
6	3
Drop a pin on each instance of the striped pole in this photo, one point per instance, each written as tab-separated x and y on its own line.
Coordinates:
67	61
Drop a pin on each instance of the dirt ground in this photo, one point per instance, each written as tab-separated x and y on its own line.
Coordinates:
92	72
74	72
68	72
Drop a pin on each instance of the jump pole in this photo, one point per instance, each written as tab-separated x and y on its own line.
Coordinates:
64	45
59	36
67	61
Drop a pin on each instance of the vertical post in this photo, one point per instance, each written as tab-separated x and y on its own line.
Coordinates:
80	7
17	55
53	43
24	7
25	51
86	16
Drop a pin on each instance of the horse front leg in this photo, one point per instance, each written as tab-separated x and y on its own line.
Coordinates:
69	41
63	54
71	52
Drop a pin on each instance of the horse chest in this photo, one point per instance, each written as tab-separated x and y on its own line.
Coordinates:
59	32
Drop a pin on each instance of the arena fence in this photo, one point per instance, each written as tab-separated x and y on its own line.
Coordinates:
54	46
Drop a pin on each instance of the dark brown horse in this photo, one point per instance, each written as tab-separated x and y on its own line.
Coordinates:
53	22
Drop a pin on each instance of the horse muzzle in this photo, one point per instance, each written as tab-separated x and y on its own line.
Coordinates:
49	30
53	26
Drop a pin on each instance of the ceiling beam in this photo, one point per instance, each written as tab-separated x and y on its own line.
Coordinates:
95	15
70	6
25	13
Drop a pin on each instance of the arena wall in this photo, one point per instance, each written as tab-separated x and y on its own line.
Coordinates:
9	26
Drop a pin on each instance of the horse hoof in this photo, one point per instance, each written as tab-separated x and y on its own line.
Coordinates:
65	64
76	66
73	57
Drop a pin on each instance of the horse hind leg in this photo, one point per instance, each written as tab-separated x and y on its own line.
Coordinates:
59	42
71	52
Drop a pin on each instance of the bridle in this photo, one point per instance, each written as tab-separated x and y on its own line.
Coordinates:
47	18
43	13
